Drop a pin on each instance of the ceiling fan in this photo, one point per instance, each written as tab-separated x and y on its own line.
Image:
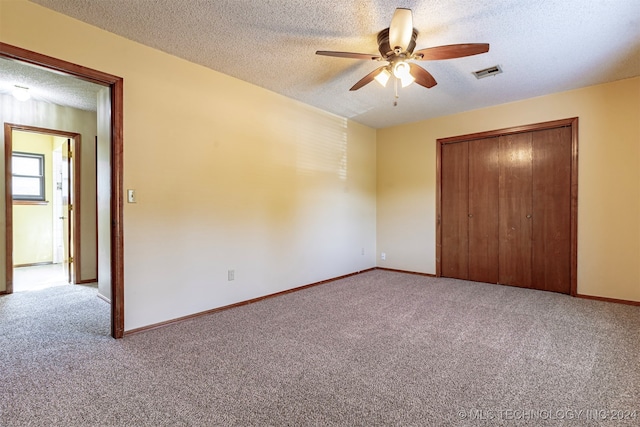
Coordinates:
396	45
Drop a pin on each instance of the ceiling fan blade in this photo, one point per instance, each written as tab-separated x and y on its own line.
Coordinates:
422	76
368	78
451	51
401	29
348	55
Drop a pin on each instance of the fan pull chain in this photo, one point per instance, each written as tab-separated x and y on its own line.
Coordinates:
395	86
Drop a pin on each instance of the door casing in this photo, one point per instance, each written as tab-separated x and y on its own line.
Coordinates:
116	85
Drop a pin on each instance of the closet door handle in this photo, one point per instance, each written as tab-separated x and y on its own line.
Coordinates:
470	215
529	216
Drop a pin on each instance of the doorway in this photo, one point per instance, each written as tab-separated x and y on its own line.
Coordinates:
43	236
114	191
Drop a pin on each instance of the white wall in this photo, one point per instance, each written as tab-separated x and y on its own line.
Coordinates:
228	176
103	165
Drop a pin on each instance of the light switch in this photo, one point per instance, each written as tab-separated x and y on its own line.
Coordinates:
131	196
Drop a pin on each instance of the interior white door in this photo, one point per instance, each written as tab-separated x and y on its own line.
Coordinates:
58	212
67	209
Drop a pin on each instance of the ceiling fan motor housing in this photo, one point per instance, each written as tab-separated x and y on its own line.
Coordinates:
386	50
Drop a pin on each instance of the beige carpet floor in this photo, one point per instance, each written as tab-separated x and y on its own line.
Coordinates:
379	348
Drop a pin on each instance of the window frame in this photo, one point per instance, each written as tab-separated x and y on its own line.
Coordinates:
41	197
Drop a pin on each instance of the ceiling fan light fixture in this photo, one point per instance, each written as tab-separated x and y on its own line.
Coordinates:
396	45
401	69
21	93
407	80
383	77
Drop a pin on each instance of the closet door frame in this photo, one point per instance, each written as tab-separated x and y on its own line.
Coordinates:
570	122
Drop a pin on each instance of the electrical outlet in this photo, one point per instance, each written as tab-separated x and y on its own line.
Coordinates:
231	275
383	256
362	251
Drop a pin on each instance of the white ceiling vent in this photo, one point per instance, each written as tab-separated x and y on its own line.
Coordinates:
491	71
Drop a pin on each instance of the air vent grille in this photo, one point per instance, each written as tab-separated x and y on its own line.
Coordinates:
491	71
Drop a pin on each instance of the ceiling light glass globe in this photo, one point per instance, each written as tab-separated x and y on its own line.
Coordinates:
401	70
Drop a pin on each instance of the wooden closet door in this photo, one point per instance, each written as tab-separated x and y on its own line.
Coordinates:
551	244
515	209
454	210
484	175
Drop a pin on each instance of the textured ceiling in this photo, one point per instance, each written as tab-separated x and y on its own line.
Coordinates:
48	86
543	46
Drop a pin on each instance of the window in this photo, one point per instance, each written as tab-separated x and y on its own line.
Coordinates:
28	176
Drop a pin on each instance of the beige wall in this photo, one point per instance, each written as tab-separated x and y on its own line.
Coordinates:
50	116
228	176
33	224
608	184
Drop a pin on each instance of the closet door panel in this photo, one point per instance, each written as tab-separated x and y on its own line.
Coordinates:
483	210
455	209
551	244
515	210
